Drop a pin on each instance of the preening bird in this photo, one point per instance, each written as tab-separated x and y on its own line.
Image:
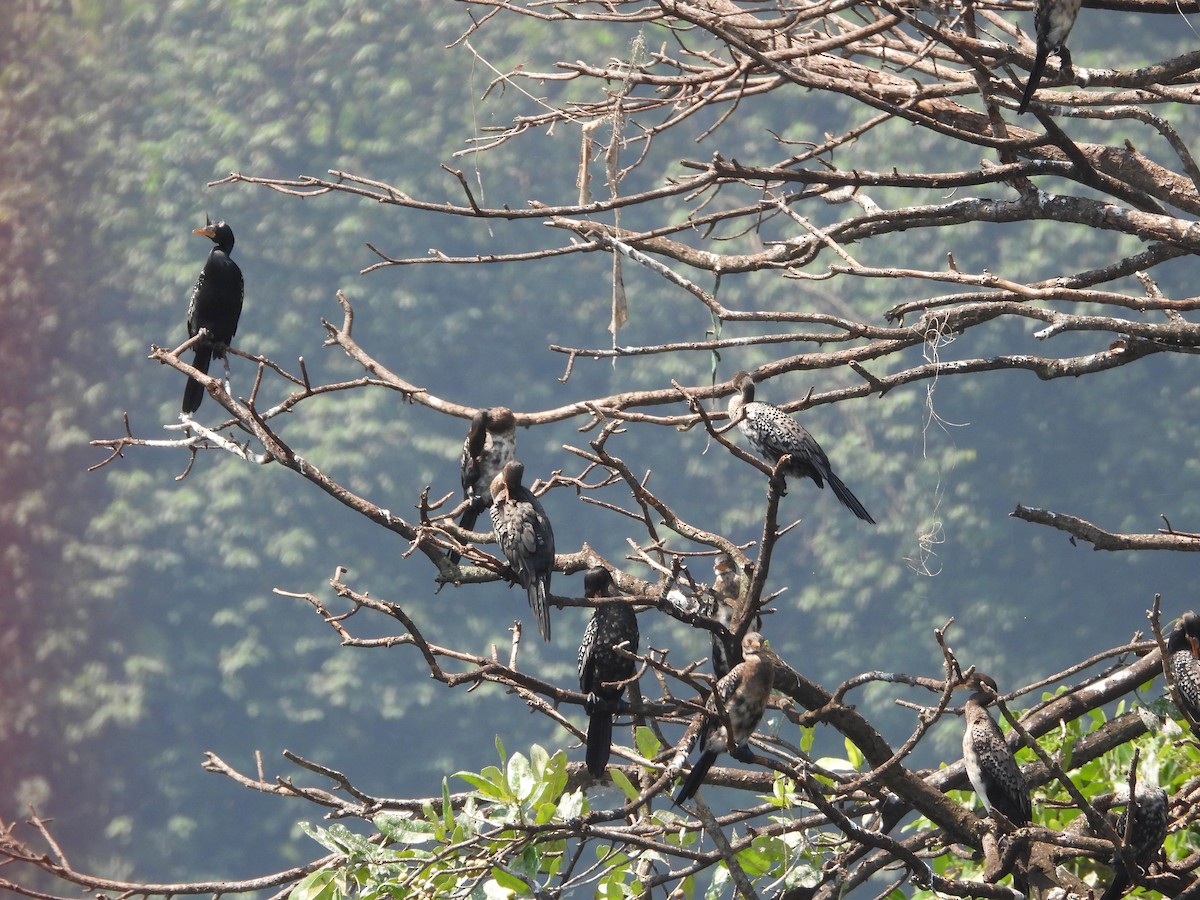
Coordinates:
215	308
1053	21
774	434
491	442
991	767
1183	650
524	534
743	694
1146	831
602	670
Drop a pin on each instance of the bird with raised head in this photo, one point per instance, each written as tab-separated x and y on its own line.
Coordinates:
775	434
743	696
215	308
604	672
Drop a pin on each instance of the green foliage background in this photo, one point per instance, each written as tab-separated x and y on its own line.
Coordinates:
140	626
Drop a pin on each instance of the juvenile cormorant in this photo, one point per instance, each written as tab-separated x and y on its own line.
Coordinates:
744	693
990	764
524	534
1146	834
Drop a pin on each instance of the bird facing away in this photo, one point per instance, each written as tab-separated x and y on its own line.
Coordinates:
990	764
774	433
524	534
215	307
1146	834
491	442
743	693
1053	21
1183	648
602	670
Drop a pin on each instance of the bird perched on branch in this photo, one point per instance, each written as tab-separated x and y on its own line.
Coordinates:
524	534
775	434
991	767
740	697
1053	21
603	671
1144	833
491	442
723	597
215	308
1183	650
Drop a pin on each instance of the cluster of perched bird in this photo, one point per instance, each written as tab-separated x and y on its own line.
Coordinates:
1142	825
492	479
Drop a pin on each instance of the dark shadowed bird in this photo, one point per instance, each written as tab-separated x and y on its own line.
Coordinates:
1053	21
602	670
215	307
774	433
524	534
743	694
491	442
1183	650
1147	830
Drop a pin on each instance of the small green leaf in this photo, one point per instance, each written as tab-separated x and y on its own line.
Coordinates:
507	881
853	754
648	744
404	829
324	884
621	780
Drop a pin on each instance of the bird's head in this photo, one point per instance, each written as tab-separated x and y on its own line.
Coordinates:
598	582
753	644
217	232
1186	635
983	686
744	384
500	419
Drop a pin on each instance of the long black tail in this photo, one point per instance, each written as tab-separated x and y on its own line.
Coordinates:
848	499
194	392
695	778
1120	882
1035	75
599	741
468	520
538	591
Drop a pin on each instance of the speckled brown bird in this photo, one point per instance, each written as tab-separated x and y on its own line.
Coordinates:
744	693
1146	834
1183	650
991	767
524	534
774	434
